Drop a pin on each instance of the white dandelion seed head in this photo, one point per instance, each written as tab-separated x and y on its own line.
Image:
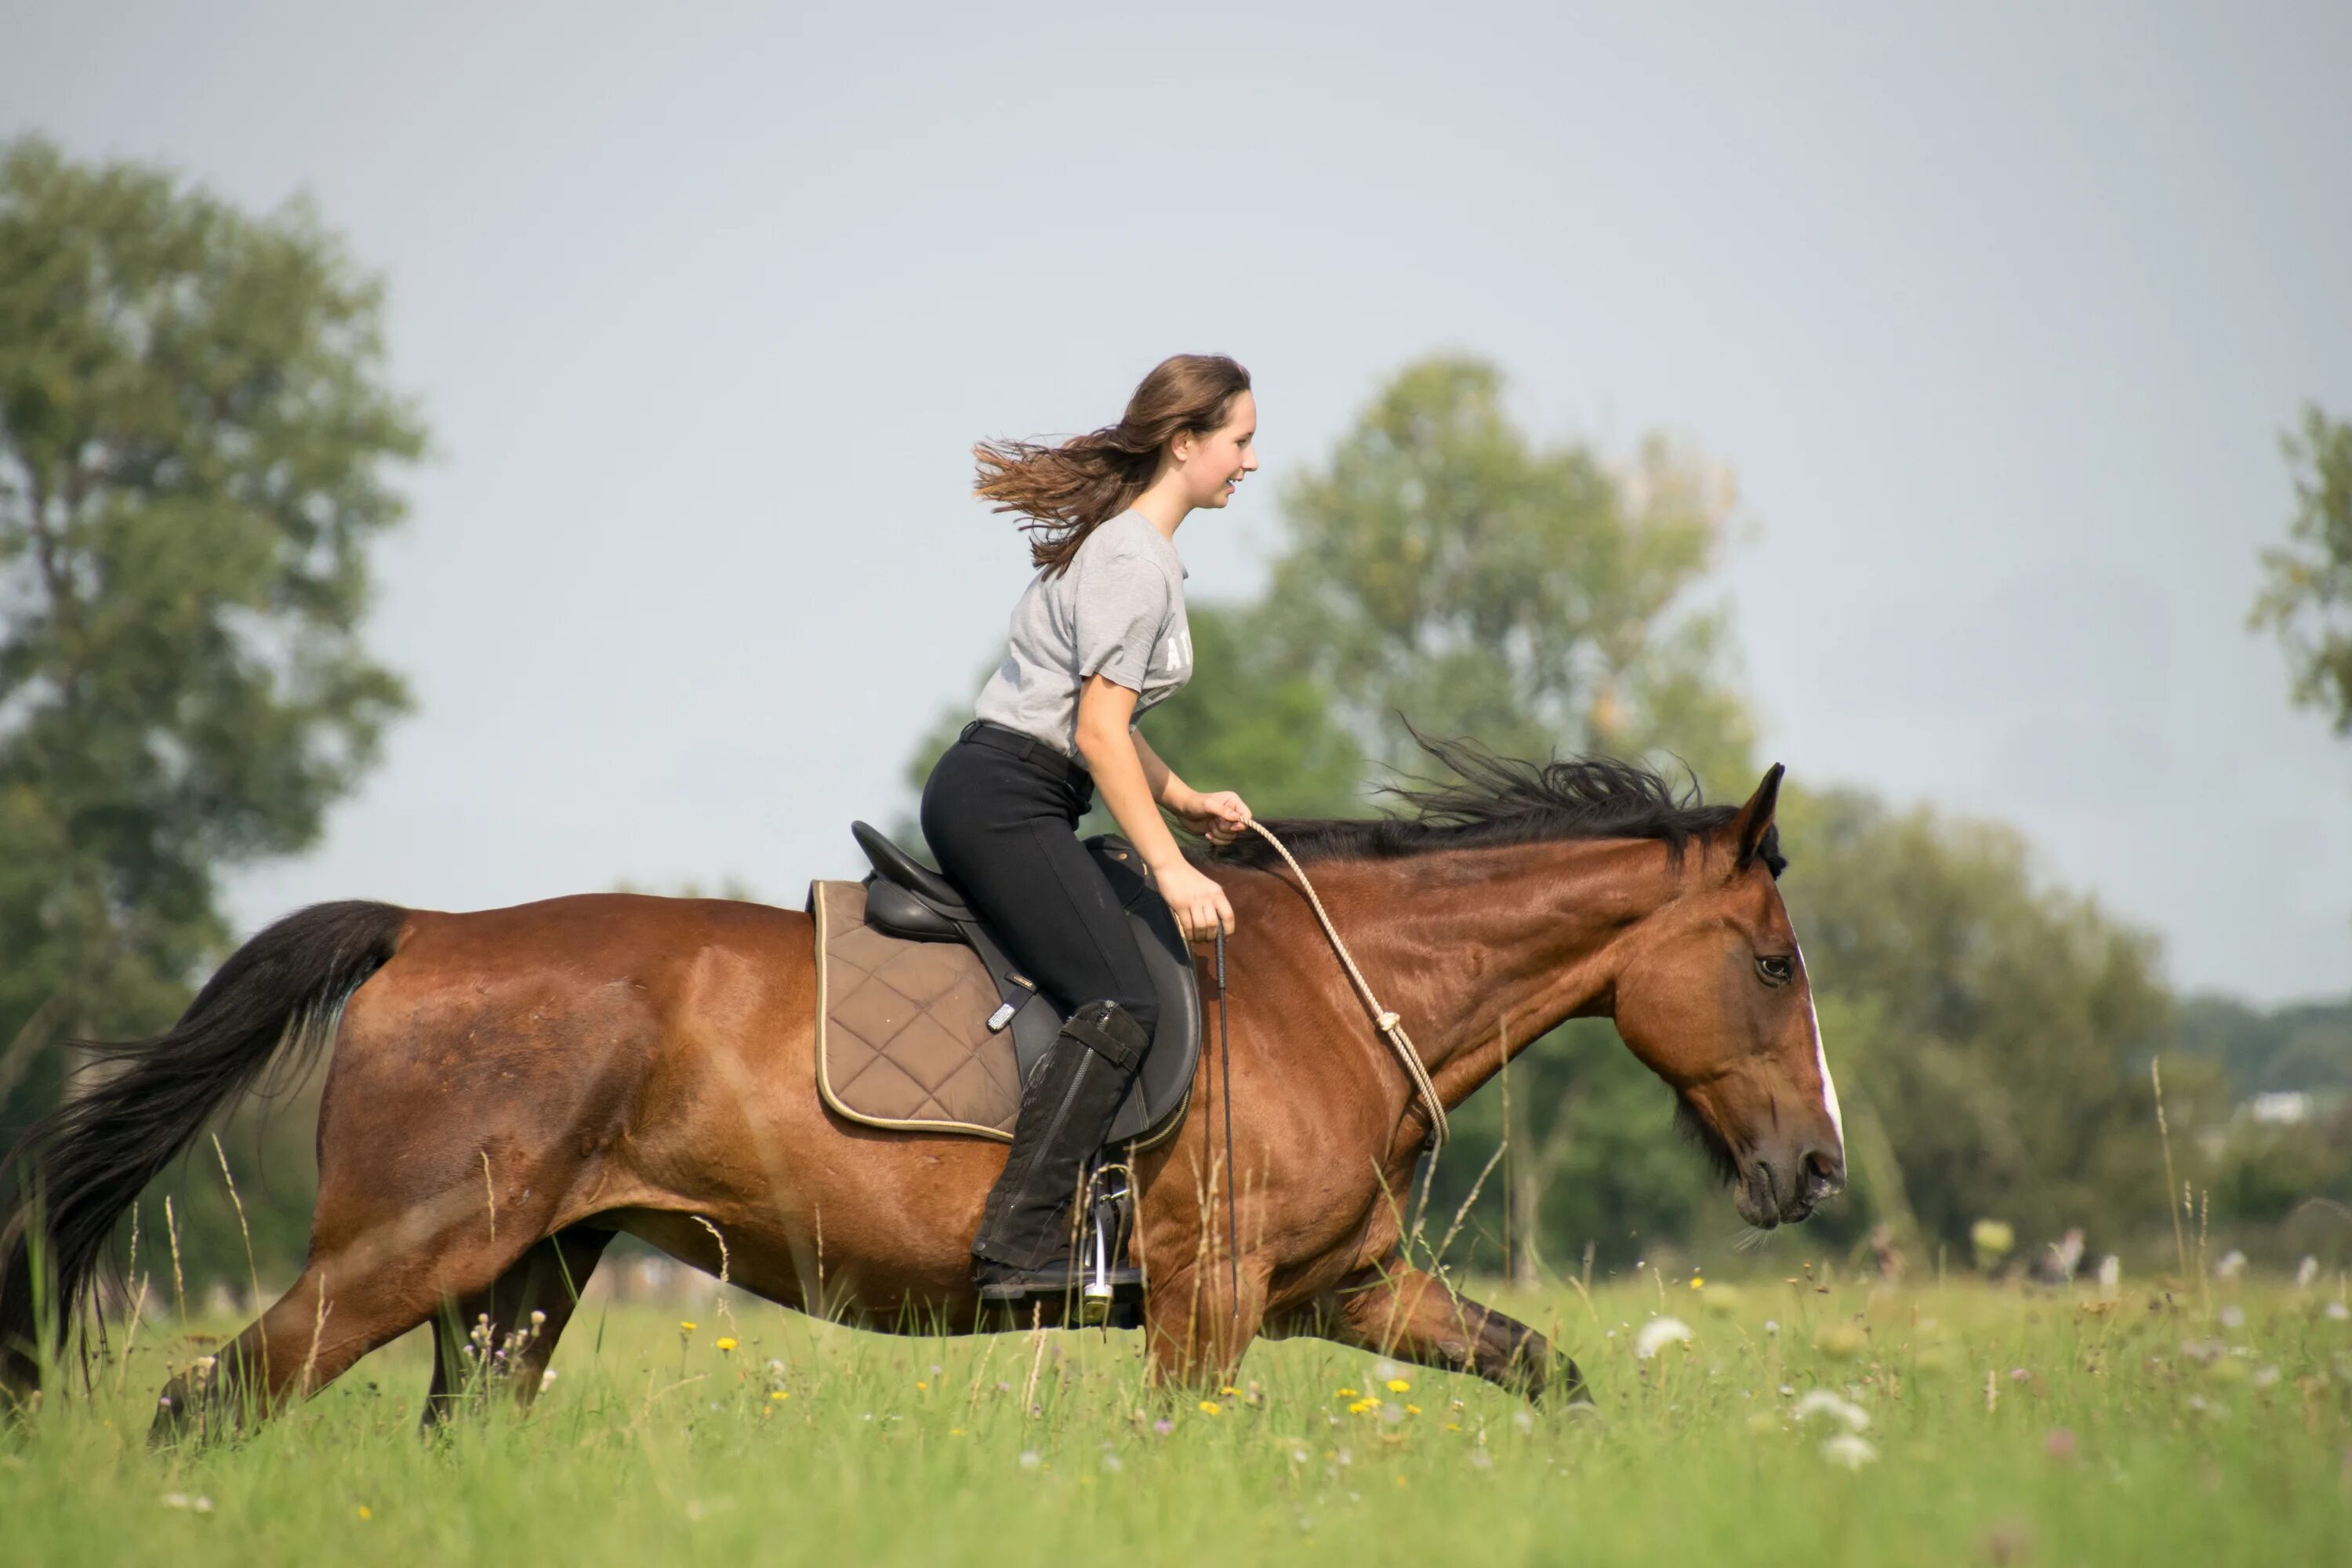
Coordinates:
1821	1401
1848	1450
1657	1334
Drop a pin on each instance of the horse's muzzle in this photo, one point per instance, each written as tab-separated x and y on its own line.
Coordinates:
1784	1188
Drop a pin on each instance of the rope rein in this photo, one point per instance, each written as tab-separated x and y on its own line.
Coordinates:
1391	1026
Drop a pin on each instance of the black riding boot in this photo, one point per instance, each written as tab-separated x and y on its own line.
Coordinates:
1024	1244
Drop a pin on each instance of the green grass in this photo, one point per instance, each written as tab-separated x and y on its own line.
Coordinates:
2005	1427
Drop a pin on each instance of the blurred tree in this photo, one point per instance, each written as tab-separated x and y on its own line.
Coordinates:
1443	570
194	440
2301	1047
2306	596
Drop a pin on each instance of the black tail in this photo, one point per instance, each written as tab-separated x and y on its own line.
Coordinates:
80	1168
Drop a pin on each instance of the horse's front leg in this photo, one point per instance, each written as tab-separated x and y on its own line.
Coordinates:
1412	1316
1197	1326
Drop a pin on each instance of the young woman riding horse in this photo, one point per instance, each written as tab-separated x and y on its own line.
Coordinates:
512	1088
1099	637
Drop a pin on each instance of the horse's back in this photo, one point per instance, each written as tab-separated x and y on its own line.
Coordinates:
568	1030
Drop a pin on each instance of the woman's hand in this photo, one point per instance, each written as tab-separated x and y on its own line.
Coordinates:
1195	899
1219	816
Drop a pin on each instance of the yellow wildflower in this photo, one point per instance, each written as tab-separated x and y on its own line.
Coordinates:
1400	1480
726	1342
1399	1385
779	1394
1209	1407
686	1327
955	1431
1412	1410
1364	1406
1229	1390
366	1512
921	1387
1697	1281
1344	1394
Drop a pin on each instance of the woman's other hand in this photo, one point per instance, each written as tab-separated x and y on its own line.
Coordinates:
1195	899
1219	816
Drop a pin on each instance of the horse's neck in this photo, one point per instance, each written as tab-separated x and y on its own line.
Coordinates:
1481	951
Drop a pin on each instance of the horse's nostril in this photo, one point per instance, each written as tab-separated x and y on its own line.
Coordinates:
1824	1172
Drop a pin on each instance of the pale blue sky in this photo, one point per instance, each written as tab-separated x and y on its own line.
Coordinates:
1995	312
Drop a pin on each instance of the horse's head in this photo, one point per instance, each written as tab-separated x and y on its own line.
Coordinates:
1713	999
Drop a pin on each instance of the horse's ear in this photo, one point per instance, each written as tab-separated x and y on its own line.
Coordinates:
1755	818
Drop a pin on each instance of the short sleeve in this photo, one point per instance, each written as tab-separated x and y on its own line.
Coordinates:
1122	602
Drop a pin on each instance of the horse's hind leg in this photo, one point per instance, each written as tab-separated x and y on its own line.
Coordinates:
1414	1317
507	1333
349	1300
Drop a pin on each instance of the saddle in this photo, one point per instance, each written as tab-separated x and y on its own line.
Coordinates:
924	1025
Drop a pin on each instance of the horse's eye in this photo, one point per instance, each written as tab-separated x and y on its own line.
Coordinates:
1775	969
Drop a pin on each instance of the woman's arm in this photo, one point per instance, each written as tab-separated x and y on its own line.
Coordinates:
1218	816
1116	755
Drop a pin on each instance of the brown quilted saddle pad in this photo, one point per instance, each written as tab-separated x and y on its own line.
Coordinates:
902	1036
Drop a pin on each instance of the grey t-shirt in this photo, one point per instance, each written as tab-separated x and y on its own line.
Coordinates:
1119	612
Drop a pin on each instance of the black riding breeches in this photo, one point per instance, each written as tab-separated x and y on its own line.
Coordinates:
999	811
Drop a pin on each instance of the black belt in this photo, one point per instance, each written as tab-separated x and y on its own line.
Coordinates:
1029	749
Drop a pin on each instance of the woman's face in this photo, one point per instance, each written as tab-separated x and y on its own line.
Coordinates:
1213	465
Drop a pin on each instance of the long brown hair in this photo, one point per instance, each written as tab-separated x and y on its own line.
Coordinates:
1067	491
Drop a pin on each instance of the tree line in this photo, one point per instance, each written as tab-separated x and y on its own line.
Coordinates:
199	446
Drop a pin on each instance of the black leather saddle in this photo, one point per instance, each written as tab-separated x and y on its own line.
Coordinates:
906	899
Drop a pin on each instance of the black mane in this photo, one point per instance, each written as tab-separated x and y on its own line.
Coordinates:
1504	800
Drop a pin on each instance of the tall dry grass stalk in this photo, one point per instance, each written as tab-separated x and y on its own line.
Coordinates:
726	1264
179	1282
252	1270
2171	1181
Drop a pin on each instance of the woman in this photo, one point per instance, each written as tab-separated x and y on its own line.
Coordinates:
1099	637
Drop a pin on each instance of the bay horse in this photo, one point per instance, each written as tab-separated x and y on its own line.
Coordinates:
510	1089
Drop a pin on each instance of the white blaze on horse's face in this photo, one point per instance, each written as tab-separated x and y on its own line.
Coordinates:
1821	1058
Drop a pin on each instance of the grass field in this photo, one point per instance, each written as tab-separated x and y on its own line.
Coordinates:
1956	1424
